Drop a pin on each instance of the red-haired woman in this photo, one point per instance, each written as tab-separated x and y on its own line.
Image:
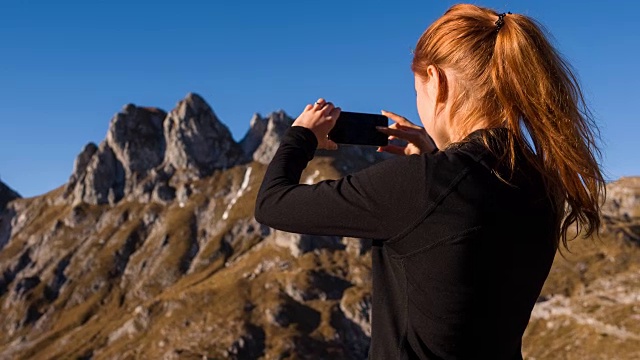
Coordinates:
464	232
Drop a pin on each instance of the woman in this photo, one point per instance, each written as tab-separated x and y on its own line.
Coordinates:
464	236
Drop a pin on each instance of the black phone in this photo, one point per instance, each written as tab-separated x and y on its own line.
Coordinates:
359	129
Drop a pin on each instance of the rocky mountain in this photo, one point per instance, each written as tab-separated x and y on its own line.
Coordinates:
143	149
151	251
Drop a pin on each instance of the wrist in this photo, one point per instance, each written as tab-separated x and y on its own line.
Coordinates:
305	134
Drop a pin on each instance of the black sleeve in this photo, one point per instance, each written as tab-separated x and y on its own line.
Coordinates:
376	203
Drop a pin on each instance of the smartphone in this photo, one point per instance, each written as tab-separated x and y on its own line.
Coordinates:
359	129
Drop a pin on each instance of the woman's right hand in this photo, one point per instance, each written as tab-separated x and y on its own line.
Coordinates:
418	141
320	118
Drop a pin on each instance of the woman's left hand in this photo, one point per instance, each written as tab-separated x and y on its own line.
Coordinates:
418	141
320	119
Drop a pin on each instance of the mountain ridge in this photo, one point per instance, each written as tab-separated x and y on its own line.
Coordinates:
151	251
159	208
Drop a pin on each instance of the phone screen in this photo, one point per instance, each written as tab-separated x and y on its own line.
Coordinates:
359	129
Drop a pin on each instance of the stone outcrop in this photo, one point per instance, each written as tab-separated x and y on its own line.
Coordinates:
137	139
101	181
623	199
134	146
197	141
253	138
6	194
299	244
621	210
6	215
80	167
263	138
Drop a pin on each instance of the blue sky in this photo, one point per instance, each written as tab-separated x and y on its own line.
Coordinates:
66	67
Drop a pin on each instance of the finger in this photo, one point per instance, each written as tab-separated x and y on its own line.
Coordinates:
411	126
335	113
401	127
320	103
392	149
390	137
397	118
331	145
308	107
327	108
402	134
409	136
328	145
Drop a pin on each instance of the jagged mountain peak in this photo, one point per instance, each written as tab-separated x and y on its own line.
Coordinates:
196	102
196	140
256	118
137	139
264	135
135	144
150	154
144	147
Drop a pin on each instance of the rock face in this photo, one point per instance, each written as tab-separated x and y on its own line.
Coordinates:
621	211
623	199
6	195
137	140
143	149
134	146
151	250
197	140
101	181
263	138
6	214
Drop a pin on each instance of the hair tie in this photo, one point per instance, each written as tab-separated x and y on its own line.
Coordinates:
500	20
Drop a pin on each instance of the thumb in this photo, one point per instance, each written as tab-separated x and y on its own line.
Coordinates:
330	145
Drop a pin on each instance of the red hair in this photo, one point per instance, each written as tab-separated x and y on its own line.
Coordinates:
514	78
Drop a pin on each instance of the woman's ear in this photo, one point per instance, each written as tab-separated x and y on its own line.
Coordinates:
434	84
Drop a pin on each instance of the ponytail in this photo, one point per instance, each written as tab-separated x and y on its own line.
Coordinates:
539	94
512	75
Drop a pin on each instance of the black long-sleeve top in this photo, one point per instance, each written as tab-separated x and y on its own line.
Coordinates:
459	257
